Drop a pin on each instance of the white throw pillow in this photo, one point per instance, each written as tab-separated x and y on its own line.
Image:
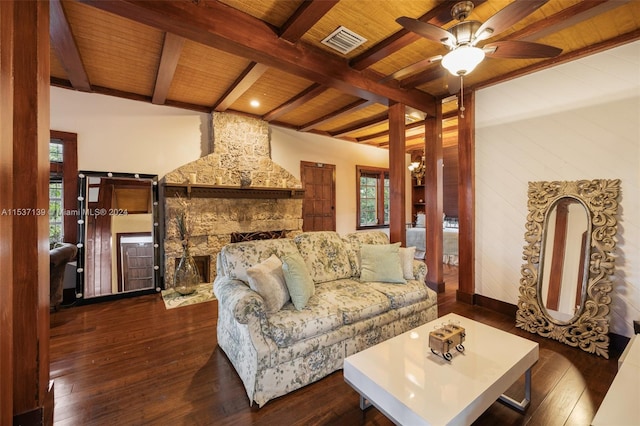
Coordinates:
267	279
406	258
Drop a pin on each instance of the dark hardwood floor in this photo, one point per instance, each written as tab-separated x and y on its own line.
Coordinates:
132	362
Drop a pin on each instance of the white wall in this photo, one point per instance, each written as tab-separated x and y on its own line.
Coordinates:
289	148
122	135
579	120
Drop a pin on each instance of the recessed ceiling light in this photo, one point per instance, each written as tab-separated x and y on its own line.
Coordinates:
254	103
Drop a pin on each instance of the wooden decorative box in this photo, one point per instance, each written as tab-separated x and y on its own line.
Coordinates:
446	337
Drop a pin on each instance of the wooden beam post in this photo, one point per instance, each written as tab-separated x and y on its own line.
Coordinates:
6	221
25	196
466	200
397	174
434	198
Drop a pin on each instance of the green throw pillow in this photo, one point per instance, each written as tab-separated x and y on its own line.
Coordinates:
298	280
381	262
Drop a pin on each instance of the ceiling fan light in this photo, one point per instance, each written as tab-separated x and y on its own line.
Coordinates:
462	60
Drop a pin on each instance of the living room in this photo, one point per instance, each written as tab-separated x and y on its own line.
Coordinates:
578	120
501	201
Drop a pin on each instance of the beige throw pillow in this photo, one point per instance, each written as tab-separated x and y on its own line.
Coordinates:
406	258
267	279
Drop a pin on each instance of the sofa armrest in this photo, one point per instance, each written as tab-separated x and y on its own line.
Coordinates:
239	299
419	270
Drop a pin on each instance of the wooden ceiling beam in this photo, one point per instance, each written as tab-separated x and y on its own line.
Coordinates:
222	27
171	50
361	125
293	103
349	109
386	132
432	72
243	83
66	48
557	22
65	84
305	17
439	15
564	19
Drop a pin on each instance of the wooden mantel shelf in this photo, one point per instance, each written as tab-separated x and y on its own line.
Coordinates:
219	191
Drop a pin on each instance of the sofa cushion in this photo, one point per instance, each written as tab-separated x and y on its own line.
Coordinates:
238	257
381	262
267	279
356	301
298	279
355	240
325	254
289	325
402	295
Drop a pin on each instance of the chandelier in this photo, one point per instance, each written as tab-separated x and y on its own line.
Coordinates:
417	170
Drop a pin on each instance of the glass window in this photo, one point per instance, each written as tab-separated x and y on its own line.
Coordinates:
55	152
56	227
373	197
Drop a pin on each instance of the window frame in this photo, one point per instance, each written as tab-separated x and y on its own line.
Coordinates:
382	175
68	168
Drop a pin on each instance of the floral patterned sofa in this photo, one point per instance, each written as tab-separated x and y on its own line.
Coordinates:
278	352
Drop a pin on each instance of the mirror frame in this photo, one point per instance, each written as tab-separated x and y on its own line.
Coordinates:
82	207
588	330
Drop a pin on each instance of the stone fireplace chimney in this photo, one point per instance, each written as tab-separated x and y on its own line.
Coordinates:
229	191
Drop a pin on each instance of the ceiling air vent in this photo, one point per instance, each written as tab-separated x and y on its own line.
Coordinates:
343	40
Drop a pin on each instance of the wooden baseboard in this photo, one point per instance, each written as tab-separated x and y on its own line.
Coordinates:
468	298
496	305
437	287
617	342
30	418
40	416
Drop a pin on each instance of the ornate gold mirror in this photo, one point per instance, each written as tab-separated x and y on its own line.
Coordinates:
565	285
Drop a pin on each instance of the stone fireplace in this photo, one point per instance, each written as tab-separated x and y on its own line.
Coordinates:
235	189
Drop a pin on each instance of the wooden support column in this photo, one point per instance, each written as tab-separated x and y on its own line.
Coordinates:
6	221
25	196
466	201
433	196
397	174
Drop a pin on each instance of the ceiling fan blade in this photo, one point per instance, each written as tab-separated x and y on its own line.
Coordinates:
427	31
520	50
506	17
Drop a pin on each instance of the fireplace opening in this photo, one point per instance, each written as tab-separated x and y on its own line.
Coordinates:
238	237
202	263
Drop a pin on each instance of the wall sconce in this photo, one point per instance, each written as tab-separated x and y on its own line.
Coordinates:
417	170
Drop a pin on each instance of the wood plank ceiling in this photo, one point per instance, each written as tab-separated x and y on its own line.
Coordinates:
210	55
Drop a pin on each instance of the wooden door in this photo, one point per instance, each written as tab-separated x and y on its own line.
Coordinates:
318	208
137	266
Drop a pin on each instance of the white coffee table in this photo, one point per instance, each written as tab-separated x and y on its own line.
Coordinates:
412	386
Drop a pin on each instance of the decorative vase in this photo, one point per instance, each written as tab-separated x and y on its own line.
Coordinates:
186	277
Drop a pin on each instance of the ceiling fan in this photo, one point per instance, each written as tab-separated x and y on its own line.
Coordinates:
462	38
